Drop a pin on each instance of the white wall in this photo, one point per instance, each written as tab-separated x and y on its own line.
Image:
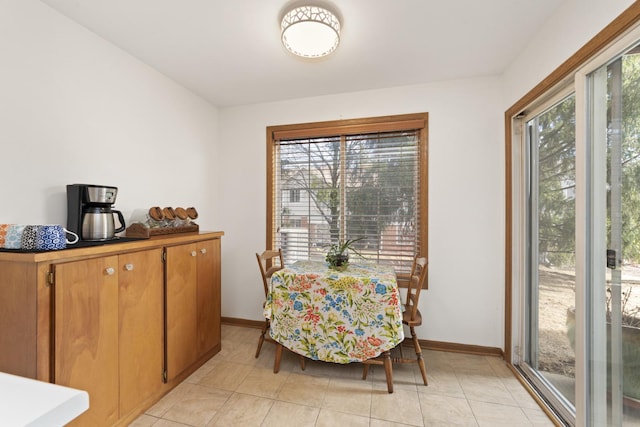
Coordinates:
570	28
466	233
76	109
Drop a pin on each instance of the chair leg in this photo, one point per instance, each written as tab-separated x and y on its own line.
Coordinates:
365	371
302	366
276	363
388	370
416	344
265	328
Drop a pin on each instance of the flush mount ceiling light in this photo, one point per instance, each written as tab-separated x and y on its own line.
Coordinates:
310	31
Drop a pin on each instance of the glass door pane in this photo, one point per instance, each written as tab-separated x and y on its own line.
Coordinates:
550	353
618	289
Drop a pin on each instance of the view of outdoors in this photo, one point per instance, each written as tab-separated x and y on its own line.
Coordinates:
553	132
361	187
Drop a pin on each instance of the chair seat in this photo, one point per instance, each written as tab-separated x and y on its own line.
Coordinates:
406	318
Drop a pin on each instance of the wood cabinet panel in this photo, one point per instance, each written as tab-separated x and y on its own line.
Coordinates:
181	308
141	336
44	333
208	279
86	334
18	319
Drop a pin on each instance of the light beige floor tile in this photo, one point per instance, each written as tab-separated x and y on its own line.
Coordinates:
330	418
290	414
262	382
440	360
198	406
226	375
242	410
290	361
240	352
168	423
443	410
240	345
511	383
144	421
202	371
471	364
348	396
383	423
523	398
304	389
486	389
170	399
492	414
240	333
537	417
267	356
463	390
440	382
401	406
405	377
499	366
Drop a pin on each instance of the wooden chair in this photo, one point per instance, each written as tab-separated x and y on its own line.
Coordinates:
269	262
411	317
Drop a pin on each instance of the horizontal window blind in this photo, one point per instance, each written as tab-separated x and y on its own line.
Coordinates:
365	186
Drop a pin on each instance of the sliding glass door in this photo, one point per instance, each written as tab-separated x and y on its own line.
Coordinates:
613	291
580	319
549	357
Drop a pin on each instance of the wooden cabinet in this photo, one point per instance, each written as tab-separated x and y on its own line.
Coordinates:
85	323
18	318
114	320
109	331
208	295
193	303
181	320
140	327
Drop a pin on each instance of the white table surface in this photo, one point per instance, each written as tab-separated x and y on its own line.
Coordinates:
27	402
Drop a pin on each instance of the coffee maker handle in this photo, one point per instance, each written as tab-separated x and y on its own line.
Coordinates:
120	220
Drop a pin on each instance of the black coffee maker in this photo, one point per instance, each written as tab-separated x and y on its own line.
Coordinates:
90	214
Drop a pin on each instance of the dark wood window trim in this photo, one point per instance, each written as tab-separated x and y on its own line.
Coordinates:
346	127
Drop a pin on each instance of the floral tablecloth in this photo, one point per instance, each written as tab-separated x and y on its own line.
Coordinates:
335	316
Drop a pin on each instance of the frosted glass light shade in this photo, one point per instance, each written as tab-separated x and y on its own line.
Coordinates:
310	31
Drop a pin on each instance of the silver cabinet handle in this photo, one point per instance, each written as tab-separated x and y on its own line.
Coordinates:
193	253
128	267
203	250
109	271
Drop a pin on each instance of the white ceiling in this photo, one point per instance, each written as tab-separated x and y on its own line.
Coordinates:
229	51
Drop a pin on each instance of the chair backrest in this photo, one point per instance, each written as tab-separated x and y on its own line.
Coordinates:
269	262
416	282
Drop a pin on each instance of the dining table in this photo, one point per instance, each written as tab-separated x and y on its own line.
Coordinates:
344	315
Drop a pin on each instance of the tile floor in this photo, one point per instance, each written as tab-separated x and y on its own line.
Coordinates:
235	389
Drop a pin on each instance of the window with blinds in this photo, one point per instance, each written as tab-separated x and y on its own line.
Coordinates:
358	179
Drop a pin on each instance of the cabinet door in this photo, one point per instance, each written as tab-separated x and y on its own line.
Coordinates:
181	314
86	335
18	318
208	267
140	327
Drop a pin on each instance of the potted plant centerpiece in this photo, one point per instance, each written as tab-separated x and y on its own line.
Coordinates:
338	253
